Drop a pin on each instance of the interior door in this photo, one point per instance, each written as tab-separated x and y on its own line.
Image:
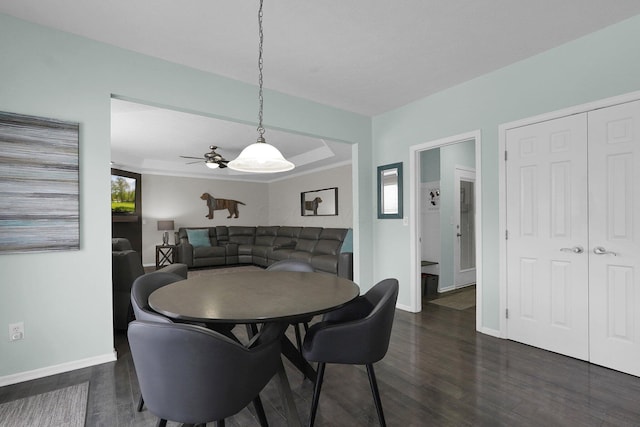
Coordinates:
547	266
464	253
614	209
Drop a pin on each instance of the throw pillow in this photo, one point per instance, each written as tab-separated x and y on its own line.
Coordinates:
198	238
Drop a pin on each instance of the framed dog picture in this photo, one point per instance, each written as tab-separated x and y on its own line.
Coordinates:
319	202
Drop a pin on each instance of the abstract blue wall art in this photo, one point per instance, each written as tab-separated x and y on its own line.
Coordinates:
39	184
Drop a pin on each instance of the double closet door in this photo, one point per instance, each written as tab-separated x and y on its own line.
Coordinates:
573	243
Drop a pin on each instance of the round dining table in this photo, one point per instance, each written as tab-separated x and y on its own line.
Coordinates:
253	297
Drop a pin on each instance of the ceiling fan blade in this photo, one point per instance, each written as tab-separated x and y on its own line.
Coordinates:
190	157
222	165
191	163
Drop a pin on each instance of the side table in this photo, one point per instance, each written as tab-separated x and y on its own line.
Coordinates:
165	255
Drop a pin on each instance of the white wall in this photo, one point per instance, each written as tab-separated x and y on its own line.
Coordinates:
284	198
177	198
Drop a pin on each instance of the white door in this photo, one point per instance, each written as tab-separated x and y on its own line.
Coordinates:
464	252
614	255
547	263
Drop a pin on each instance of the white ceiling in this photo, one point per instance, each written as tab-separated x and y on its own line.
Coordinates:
365	56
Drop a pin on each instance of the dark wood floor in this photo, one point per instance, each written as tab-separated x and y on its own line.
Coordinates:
438	372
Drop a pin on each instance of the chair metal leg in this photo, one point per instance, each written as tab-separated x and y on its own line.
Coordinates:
296	327
262	417
140	404
162	423
376	394
219	423
316	394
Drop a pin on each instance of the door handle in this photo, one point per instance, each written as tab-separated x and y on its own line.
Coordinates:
575	249
599	250
458	234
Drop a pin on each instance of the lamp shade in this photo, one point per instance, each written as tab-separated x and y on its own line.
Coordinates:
166	225
260	157
211	164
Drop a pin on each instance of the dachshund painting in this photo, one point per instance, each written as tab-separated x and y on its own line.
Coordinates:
313	205
220	204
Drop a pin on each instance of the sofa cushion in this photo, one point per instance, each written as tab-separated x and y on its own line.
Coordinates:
327	247
209	251
326	263
329	241
222	234
308	238
287	231
279	254
265	235
198	237
242	235
286	237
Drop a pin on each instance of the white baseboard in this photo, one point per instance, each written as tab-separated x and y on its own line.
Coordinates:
489	331
405	308
57	369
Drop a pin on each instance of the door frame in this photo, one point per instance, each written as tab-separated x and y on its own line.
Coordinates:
414	217
502	196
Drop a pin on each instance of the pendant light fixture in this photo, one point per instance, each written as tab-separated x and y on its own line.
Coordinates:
260	157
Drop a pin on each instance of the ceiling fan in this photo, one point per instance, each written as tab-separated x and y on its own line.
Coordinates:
211	159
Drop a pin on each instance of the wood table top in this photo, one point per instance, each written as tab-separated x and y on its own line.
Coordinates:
253	297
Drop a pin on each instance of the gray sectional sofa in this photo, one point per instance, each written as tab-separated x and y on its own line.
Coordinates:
264	245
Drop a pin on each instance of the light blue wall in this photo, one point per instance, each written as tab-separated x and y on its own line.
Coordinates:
64	298
600	65
430	165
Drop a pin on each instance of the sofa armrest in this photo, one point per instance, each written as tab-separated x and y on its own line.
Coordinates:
185	254
287	245
345	265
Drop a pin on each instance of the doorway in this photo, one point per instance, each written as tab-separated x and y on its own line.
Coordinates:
421	182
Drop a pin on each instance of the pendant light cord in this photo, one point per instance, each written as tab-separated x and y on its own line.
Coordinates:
260	97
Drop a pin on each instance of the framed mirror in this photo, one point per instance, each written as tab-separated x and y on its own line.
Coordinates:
319	202
390	191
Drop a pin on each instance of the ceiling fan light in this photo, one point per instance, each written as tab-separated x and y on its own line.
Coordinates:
211	165
260	157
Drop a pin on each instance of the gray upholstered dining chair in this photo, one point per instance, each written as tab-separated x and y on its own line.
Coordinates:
191	374
356	334
303	267
141	288
144	286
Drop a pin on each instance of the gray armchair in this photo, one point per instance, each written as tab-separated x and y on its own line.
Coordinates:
126	266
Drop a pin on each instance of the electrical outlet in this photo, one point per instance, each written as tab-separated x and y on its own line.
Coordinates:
16	331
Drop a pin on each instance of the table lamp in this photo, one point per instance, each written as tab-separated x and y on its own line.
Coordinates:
165	226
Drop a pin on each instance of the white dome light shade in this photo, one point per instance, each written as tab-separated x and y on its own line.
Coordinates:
212	165
260	157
